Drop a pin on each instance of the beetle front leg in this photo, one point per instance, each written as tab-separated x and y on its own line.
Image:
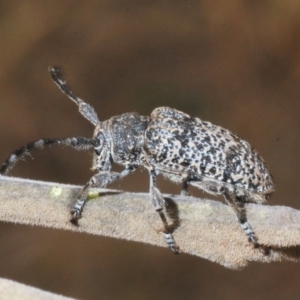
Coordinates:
99	180
159	203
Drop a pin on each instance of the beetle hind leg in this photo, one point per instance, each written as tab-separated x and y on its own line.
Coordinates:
238	205
168	234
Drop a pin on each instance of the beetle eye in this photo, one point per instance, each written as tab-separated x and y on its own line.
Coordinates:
99	146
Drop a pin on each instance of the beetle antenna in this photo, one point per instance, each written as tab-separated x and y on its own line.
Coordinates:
79	143
84	108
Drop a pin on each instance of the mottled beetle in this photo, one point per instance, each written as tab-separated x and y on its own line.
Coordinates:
173	144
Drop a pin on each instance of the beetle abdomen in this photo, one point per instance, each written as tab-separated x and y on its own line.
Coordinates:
177	143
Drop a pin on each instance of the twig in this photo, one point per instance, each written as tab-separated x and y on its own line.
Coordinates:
205	228
14	290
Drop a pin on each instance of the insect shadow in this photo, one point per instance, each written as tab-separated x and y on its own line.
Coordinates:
172	213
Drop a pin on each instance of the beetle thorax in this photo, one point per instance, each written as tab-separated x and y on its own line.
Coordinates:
127	137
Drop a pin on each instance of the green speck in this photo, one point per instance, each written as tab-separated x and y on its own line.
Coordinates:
56	191
93	195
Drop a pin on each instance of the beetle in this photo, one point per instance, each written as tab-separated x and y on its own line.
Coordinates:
169	142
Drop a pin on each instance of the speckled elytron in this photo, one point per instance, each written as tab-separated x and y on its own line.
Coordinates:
171	143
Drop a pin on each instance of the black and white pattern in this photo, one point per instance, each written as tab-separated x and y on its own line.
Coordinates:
177	143
170	142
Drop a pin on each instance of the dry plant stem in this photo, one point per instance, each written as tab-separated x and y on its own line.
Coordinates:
204	228
11	290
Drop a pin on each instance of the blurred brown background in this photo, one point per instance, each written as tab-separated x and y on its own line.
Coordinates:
235	63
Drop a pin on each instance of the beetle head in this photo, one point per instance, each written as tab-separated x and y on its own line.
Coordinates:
102	155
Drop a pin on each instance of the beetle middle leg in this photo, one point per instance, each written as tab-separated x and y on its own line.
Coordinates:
99	180
159	203
185	186
238	205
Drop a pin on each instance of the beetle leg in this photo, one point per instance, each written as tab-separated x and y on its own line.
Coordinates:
99	180
238	206
81	200
79	143
185	186
159	203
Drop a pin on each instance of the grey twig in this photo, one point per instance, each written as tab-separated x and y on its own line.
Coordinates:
204	228
14	290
